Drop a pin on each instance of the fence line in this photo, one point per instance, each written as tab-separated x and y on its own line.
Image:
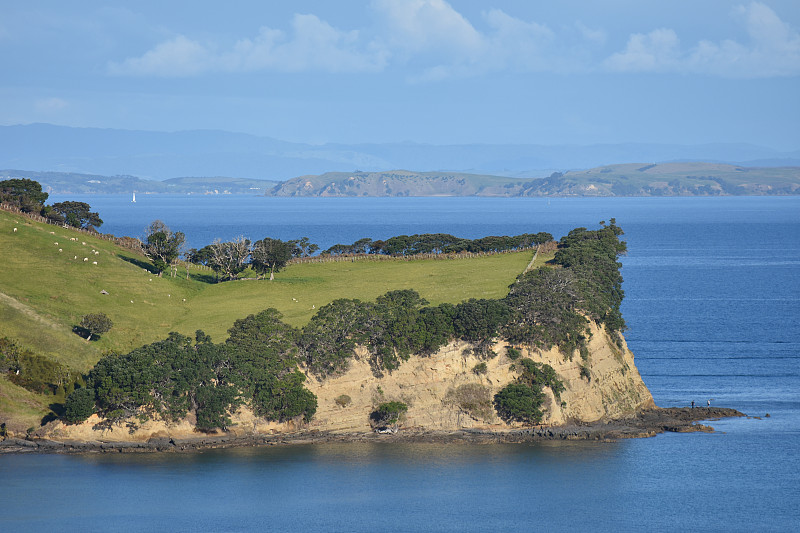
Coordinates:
125	242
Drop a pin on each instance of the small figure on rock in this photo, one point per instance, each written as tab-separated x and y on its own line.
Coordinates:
692	404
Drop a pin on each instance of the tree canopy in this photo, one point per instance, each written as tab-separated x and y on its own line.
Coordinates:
23	193
162	245
76	214
271	255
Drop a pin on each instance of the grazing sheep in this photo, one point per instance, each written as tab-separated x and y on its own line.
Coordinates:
85	258
15	230
94	262
60	250
52	233
83	243
75	257
55	243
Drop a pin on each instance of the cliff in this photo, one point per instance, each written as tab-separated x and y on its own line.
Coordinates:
431	387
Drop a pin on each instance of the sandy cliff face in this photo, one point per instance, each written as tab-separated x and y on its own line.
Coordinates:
430	386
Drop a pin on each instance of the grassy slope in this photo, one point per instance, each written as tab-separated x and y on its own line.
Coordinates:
48	291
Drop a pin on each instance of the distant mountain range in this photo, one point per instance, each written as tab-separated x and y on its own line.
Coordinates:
632	179
163	155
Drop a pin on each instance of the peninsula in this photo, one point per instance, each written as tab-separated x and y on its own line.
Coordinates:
515	345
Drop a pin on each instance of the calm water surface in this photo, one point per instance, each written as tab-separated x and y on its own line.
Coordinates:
712	304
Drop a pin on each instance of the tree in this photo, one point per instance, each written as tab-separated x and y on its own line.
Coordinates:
519	402
76	214
303	247
163	246
229	258
271	255
96	324
23	193
79	405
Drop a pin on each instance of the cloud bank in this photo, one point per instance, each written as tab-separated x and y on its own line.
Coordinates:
433	41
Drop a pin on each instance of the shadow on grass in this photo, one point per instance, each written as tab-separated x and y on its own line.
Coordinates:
139	263
203	277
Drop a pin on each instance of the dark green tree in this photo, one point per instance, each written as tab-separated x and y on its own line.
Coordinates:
79	405
162	245
519	402
271	255
23	193
75	214
95	324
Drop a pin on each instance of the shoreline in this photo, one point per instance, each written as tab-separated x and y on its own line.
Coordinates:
645	423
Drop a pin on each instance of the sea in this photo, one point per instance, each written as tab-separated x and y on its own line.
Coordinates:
712	304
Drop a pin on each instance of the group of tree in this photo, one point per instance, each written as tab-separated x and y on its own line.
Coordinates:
27	195
438	243
266	256
258	365
260	362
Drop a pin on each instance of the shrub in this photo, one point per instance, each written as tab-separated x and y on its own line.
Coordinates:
480	368
473	399
513	353
343	400
388	413
79	405
519	402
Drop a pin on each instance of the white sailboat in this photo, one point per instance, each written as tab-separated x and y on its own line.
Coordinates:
134	198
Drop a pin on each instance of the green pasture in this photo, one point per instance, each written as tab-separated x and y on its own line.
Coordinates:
45	292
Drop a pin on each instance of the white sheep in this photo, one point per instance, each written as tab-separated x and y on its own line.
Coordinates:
85	259
83	243
60	250
52	233
55	243
94	262
15	230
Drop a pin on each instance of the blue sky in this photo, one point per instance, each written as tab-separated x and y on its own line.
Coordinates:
429	71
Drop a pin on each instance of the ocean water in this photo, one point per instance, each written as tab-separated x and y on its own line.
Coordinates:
713	309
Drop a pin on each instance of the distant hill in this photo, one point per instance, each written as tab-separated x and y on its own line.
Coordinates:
73	183
669	179
396	183
162	155
632	179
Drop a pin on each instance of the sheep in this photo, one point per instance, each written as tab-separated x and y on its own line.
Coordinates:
85	259
60	250
55	243
94	262
52	233
83	243
15	230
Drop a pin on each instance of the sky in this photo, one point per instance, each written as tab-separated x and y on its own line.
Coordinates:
425	71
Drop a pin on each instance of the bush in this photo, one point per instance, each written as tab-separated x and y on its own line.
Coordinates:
388	413
473	399
79	405
480	368
519	402
513	353
343	401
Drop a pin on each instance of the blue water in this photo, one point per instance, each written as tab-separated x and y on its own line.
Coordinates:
713	308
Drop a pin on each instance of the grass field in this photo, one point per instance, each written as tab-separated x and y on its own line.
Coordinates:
44	292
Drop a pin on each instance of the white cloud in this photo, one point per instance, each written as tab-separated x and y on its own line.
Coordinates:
312	45
657	51
432	41
773	50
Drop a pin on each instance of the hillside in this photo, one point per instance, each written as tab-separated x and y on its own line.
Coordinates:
74	183
44	292
634	179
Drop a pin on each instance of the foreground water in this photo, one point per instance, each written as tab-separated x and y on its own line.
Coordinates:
713	307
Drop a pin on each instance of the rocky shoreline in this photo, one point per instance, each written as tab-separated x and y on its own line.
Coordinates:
646	423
